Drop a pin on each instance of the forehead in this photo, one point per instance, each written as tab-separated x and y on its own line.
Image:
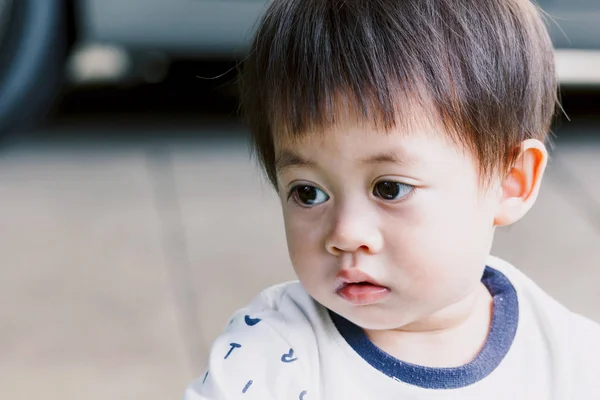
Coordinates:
359	144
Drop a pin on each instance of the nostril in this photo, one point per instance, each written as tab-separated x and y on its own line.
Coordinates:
336	251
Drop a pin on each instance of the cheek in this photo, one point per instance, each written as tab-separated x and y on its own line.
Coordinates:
304	238
456	214
442	241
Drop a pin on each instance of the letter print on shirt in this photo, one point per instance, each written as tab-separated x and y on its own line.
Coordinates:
247	386
288	357
251	321
233	347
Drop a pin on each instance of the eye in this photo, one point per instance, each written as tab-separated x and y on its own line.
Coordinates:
308	195
389	190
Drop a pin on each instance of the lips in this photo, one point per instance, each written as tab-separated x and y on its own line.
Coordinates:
359	288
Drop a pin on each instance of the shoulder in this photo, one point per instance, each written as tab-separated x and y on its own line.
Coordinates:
542	303
267	351
552	314
286	309
285	313
586	334
531	297
585	352
572	339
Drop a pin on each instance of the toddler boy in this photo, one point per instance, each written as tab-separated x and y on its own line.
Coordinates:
399	134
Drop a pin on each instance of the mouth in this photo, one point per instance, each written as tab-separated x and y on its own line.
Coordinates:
358	288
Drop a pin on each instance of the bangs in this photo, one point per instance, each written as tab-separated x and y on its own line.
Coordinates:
400	111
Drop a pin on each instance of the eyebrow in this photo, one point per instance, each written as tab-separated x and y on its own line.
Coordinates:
287	159
390	157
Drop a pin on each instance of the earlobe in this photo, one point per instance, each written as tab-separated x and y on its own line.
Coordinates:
520	187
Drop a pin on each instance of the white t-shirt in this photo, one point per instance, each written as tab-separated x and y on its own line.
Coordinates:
284	345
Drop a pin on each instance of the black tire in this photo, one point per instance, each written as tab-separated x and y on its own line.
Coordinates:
32	58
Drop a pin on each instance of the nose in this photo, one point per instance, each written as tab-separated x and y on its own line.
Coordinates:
353	230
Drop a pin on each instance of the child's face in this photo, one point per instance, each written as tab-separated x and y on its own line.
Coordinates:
406	209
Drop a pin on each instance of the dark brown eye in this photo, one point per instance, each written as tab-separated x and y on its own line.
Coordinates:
389	190
309	195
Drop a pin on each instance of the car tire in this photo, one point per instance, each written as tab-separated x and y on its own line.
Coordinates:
32	59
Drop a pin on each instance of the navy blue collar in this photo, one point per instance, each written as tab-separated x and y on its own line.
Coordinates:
501	336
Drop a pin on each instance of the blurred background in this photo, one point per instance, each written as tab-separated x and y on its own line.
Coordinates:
133	221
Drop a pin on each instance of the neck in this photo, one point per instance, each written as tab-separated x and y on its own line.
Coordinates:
451	337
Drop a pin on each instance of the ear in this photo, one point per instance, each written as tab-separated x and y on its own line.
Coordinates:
521	186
